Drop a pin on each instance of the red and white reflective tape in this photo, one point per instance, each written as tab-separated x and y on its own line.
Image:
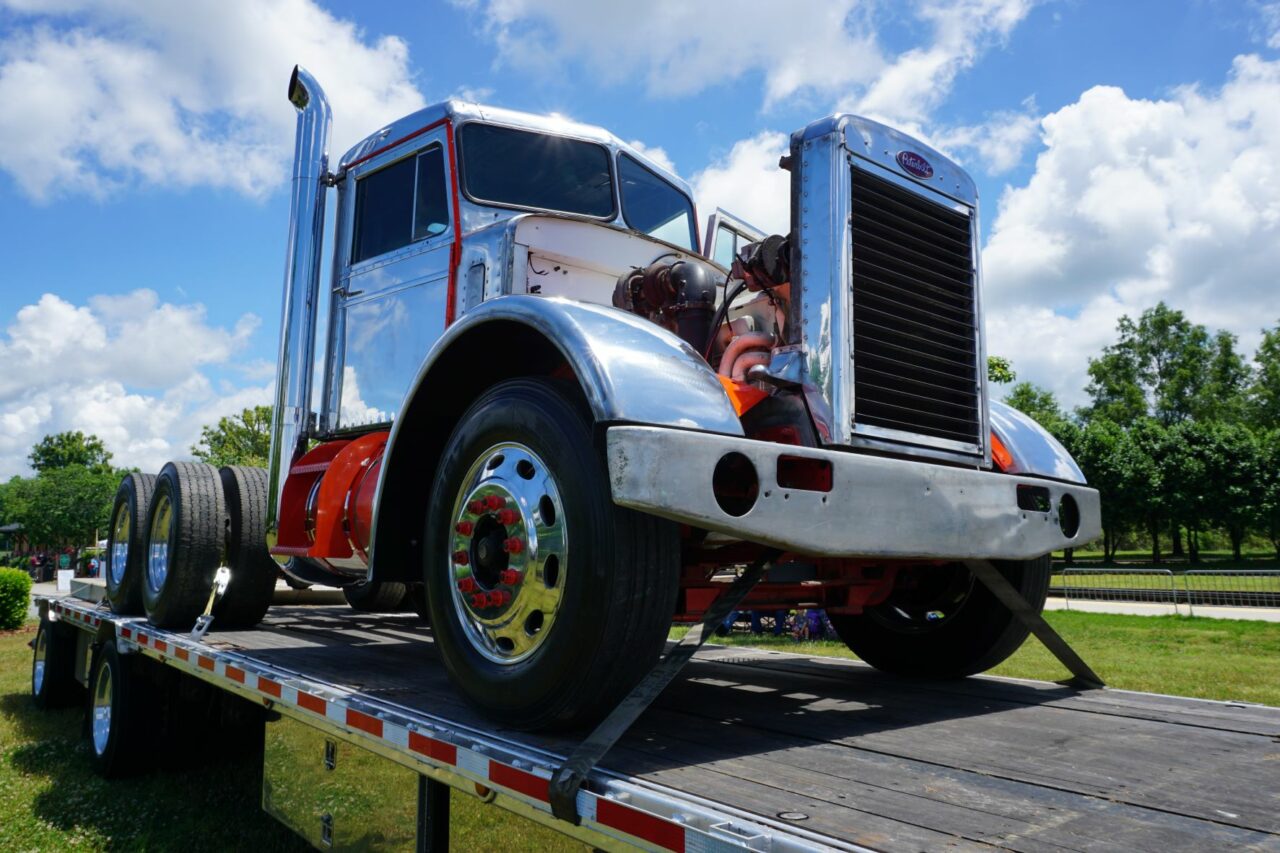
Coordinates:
433	744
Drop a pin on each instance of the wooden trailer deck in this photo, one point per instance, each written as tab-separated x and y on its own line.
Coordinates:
849	753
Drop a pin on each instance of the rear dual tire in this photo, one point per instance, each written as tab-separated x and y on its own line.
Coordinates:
125	561
201	517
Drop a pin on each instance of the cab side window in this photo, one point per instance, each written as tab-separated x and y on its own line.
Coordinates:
400	204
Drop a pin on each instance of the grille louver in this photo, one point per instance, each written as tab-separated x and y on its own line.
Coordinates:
915	349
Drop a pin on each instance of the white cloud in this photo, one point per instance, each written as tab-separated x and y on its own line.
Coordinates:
680	48
103	94
127	368
1133	201
748	183
997	144
657	155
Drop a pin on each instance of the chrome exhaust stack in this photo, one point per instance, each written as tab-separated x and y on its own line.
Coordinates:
290	420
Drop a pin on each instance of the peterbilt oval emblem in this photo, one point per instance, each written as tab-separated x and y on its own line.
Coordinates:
912	163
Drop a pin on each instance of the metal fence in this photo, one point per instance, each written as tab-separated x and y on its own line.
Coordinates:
1189	589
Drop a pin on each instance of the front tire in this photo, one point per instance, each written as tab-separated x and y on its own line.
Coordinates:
944	623
548	601
126	543
184	543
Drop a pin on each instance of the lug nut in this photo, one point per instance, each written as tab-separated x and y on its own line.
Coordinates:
513	545
511	577
467	585
464	527
508	517
493	501
462	558
499	597
479	601
475	507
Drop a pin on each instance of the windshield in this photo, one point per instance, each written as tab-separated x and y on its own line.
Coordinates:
518	168
652	205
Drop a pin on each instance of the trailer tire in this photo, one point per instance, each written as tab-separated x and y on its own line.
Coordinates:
374	596
604	603
53	666
118	698
253	572
979	634
184	543
126	555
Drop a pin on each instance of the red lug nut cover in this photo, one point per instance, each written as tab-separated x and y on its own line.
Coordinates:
480	601
461	557
511	577
508	517
476	507
493	501
513	545
464	527
467	585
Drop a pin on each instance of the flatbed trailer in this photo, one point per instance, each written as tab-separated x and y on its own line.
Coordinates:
749	750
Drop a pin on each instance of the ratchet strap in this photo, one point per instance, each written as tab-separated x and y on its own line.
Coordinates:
1081	674
570	775
220	580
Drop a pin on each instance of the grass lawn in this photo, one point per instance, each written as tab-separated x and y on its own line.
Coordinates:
51	800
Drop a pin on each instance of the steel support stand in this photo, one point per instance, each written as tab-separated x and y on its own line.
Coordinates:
1081	674
433	816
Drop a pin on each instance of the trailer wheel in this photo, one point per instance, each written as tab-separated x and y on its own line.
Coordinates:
374	596
547	600
117	700
53	666
126	543
253	572
943	623
184	543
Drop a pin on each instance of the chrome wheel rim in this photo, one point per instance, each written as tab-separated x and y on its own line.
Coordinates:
38	666
508	553
101	724
158	543
119	552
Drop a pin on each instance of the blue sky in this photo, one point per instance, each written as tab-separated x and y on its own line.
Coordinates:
1125	152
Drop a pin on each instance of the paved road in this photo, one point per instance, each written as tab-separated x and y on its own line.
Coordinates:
1137	608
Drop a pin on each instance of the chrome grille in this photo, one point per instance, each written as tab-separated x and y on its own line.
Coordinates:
915	347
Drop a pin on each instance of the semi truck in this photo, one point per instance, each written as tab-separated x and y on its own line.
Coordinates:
559	419
562	419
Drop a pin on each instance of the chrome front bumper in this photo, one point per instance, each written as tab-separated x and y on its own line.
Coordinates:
877	507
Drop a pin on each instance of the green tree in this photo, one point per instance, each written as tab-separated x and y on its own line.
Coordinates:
1269	487
65	449
1041	406
1125	474
64	506
1264	391
1000	370
1115	387
243	439
1222	395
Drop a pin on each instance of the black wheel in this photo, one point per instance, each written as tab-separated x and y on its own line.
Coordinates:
53	666
548	601
118	710
253	572
374	596
942	622
126	543
184	543
415	599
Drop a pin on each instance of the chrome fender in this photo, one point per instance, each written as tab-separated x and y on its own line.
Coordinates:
1034	450
630	371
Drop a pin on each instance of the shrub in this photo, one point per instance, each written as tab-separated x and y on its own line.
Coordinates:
15	598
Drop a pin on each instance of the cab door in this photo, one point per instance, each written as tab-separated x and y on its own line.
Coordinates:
725	235
393	285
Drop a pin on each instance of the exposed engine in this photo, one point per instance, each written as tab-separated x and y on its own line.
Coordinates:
678	295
